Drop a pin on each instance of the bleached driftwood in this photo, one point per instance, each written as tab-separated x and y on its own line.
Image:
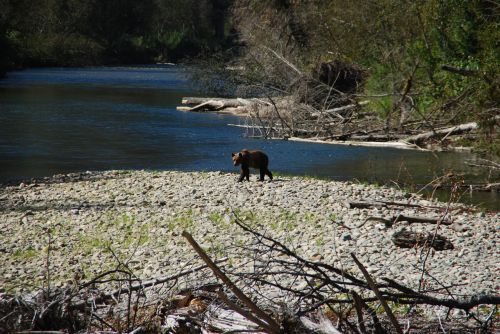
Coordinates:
457	129
393	144
218	104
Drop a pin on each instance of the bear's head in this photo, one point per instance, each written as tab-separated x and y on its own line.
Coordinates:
237	158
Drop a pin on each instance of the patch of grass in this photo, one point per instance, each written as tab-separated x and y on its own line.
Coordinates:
125	171
310	218
374	183
284	175
399	309
90	243
25	254
217	219
316	177
320	241
184	220
249	218
304	176
216	250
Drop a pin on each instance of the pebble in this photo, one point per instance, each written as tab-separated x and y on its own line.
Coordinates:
346	237
140	216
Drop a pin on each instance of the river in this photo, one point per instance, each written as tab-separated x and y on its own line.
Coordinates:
60	120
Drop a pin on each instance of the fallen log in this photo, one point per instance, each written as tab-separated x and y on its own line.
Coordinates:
392	144
234	102
416	139
409	239
211	105
382	204
365	205
223	105
389	222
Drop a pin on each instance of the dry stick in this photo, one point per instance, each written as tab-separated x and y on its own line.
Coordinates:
432	241
272	326
373	286
359	311
373	314
47	264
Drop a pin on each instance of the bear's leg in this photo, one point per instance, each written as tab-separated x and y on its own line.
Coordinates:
262	173
268	173
242	174
246	172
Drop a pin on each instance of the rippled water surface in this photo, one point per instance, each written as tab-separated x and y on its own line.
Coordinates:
64	120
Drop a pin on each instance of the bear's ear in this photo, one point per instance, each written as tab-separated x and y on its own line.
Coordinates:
240	155
233	154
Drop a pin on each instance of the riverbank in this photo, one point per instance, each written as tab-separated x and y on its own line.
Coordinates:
351	124
93	219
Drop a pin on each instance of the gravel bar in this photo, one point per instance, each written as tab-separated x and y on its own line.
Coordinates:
94	219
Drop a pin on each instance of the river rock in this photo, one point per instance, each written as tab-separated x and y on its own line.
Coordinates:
140	216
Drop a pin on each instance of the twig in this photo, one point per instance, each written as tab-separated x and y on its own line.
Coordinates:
47	264
440	221
374	288
359	311
440	323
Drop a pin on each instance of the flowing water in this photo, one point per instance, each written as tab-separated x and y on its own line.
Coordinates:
58	120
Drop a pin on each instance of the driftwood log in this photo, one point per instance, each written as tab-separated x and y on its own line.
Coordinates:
389	222
218	104
409	239
461	128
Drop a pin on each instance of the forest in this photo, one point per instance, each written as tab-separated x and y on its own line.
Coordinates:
81	32
414	65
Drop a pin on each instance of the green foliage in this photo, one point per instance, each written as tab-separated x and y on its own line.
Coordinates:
25	254
401	45
171	39
81	32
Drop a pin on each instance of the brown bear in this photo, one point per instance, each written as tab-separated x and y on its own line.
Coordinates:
253	159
